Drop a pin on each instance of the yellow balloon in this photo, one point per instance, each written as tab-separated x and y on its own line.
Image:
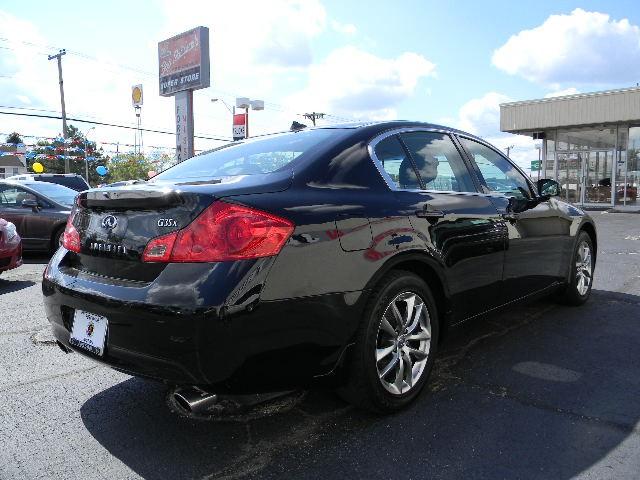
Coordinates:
37	167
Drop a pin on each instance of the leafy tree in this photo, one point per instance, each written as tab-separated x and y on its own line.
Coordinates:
129	166
50	153
14	138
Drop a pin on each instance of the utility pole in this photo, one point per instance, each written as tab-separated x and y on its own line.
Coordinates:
313	116
58	56
509	149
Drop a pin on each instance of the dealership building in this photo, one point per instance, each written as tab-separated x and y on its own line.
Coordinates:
590	143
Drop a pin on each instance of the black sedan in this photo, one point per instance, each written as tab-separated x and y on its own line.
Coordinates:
39	210
337	256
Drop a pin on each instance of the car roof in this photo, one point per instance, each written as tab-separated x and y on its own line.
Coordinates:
393	124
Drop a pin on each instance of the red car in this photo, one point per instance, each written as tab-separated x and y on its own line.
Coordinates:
10	246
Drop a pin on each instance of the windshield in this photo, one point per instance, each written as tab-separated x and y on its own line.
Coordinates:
251	157
55	192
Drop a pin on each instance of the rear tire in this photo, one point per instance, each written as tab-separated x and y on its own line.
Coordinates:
578	289
395	345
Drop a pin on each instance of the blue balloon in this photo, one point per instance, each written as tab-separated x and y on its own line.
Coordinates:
102	170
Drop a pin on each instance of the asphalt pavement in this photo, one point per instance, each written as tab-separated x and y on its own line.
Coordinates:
538	391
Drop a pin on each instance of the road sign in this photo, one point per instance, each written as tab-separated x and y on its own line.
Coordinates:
239	126
535	165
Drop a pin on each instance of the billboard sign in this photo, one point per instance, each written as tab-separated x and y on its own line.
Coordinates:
239	126
184	62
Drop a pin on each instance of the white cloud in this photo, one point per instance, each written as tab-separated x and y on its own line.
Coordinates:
344	28
352	82
582	47
277	33
562	93
481	116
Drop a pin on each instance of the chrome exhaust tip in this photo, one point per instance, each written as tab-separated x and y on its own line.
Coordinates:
194	400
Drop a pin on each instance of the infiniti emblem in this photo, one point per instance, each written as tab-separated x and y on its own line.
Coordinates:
109	222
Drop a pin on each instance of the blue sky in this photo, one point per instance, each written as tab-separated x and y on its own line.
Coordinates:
445	62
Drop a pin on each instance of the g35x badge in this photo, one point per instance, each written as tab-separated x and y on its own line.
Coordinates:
167	222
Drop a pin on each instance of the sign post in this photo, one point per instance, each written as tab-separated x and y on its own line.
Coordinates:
184	125
184	67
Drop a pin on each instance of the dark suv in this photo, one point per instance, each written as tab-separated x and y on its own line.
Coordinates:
337	255
69	180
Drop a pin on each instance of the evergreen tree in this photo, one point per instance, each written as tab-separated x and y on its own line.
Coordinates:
14	138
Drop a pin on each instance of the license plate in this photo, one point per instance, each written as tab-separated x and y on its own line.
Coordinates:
89	331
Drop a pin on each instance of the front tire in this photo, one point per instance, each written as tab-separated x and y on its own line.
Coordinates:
581	267
395	345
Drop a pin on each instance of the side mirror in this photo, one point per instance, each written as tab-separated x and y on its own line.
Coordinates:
548	188
30	203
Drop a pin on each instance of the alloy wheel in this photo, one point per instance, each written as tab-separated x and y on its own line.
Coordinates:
403	343
584	268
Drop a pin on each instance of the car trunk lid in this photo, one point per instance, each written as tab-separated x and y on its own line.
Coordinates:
115	224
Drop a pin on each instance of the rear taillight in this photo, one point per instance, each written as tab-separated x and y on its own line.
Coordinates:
71	237
222	232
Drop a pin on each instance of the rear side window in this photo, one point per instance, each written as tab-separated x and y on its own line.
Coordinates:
438	161
252	157
396	163
498	173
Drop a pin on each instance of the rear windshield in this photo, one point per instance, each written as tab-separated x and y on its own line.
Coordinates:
251	157
55	192
76	183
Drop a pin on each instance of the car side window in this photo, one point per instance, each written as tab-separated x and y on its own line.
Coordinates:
14	196
396	163
498	173
438	161
8	197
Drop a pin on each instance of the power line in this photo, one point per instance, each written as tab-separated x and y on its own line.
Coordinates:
105	124
102	62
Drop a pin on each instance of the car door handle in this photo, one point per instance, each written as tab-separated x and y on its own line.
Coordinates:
426	212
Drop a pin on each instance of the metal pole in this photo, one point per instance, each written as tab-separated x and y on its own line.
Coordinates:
58	56
86	159
246	123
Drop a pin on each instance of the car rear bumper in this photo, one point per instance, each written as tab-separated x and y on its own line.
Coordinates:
243	347
10	256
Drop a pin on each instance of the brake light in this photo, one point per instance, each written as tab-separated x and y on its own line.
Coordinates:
222	232
71	237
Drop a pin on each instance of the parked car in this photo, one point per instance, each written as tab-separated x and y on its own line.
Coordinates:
10	246
39	210
69	180
330	255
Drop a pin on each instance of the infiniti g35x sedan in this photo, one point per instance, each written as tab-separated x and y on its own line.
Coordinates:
336	255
